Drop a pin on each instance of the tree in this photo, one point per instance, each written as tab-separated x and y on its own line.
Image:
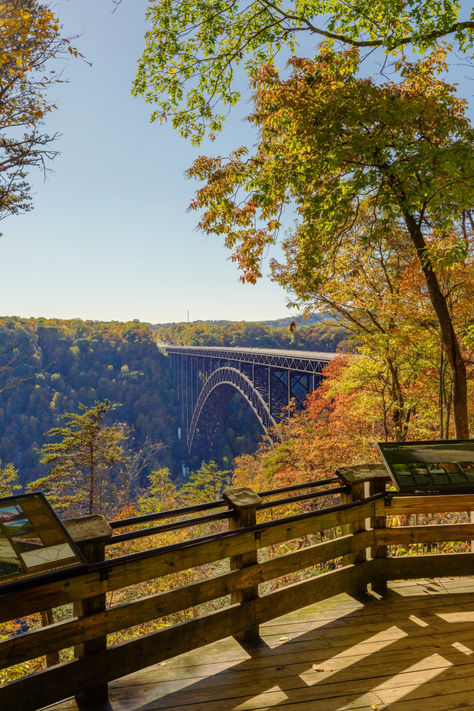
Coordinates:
82	460
193	49
17	355
206	484
30	38
125	486
161	493
9	480
375	284
337	427
329	141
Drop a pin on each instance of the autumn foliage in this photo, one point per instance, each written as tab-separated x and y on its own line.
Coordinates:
30	40
353	159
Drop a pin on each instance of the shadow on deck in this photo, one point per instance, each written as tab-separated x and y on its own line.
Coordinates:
411	650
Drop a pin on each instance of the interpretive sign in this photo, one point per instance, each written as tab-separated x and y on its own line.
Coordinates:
32	538
433	467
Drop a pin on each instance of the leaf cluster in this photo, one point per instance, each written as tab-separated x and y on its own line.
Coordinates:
30	40
328	142
82	459
193	50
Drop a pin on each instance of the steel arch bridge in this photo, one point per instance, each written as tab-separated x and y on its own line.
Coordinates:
206	379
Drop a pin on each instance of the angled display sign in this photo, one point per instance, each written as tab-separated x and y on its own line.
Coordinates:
433	467
32	539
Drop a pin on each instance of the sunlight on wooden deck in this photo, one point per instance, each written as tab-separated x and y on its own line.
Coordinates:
405	652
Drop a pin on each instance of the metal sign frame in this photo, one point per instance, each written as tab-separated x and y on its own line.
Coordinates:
430	467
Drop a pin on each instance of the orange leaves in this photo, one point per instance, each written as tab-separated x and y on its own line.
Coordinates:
29	41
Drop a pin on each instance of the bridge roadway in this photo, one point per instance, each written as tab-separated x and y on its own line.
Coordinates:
207	377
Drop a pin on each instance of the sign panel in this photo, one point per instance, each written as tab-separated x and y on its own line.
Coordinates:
32	538
434	467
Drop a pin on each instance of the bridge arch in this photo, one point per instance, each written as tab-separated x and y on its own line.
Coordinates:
215	397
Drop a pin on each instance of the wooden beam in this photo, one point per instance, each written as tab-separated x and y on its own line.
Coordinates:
430	504
424	534
91	533
359	473
425	566
317	588
38	642
378	485
172	559
244	502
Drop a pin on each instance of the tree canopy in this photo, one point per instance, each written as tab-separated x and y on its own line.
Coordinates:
83	459
30	39
332	142
193	49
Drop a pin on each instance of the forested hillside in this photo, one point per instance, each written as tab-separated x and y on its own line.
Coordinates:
308	337
51	366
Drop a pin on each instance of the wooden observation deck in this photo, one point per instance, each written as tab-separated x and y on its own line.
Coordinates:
334	640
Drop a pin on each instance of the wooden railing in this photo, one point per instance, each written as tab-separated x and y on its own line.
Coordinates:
353	535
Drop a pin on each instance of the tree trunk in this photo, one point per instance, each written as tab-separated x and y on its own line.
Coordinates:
448	335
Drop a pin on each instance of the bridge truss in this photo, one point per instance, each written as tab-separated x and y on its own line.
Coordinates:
207	378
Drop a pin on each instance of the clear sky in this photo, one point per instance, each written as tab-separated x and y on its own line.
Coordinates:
110	236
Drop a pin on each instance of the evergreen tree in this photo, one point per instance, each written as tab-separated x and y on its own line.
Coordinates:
205	484
82	460
161	493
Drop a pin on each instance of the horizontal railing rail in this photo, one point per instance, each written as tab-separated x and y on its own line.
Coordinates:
295	487
220	503
174	526
220	516
342	548
60	587
303	497
169	513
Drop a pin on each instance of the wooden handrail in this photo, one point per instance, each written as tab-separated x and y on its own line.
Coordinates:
220	516
59	588
174	526
219	503
241	544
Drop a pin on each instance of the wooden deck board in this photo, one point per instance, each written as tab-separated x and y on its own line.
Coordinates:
414	647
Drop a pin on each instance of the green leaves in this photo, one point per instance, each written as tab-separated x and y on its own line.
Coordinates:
327	145
193	48
83	459
206	484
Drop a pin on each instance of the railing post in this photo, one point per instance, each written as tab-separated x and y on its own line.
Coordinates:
90	533
379	580
366	480
245	503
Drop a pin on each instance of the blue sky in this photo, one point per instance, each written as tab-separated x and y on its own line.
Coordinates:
109	237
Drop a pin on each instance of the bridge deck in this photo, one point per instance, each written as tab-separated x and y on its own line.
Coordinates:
412	648
229	351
